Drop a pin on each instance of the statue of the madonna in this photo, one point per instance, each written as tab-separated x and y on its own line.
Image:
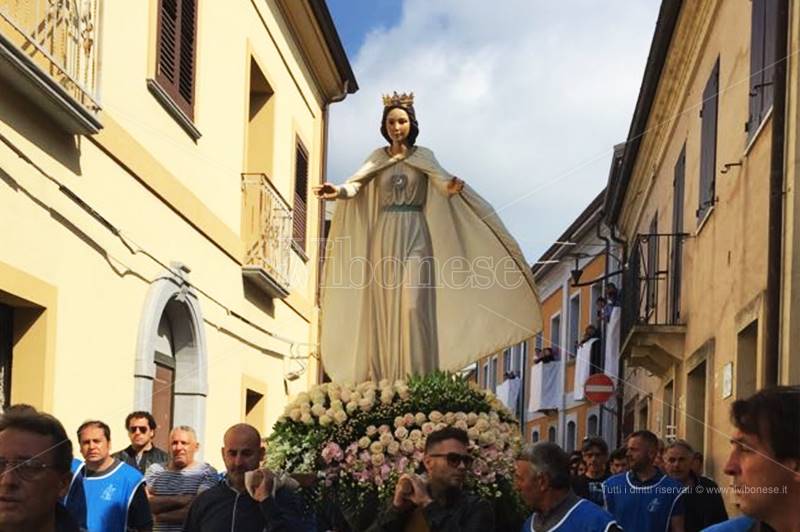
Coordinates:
420	273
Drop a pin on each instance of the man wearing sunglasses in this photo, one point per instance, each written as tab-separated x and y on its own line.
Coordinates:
141	453
439	501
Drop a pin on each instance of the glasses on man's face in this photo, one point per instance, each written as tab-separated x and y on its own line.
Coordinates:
24	469
455	459
142	429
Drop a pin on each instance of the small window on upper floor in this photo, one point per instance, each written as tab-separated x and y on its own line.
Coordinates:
176	49
763	56
300	212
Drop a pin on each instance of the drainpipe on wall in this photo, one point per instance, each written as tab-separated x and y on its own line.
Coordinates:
772	328
620	367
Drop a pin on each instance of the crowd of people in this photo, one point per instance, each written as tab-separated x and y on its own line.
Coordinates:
645	486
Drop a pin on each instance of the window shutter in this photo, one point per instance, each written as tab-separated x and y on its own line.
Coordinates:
177	29
708	143
188	46
756	66
770	54
300	201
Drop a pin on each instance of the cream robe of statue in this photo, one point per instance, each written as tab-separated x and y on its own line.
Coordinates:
416	280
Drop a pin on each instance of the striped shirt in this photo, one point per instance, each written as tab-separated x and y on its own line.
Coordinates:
189	481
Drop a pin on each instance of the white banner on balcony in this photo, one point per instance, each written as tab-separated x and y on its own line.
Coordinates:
582	367
544	388
508	392
612	343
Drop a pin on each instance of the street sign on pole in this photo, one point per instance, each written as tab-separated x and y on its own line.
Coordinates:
598	388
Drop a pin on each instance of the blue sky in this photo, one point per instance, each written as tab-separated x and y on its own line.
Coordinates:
355	18
523	99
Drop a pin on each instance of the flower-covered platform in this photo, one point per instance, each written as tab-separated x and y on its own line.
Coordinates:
358	440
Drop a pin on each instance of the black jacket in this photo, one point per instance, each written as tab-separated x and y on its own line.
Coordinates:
222	508
703	505
466	513
153	456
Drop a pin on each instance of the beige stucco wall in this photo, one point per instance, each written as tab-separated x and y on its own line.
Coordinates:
724	261
178	200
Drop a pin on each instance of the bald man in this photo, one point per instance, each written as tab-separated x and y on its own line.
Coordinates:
274	506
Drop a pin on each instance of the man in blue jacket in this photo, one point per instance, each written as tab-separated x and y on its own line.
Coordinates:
274	505
543	480
645	498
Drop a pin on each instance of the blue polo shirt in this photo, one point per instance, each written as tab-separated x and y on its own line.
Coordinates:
648	505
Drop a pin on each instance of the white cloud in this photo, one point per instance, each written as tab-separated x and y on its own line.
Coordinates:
523	99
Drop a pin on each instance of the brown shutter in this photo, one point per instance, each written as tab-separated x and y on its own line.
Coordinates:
756	66
177	29
708	143
300	195
770	54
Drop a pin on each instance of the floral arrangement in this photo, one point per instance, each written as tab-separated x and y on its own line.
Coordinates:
358	440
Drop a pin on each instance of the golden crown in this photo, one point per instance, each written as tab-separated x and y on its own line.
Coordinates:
406	100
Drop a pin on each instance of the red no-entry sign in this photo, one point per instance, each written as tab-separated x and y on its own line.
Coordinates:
598	388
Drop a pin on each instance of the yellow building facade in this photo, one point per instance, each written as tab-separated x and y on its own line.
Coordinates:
160	246
704	198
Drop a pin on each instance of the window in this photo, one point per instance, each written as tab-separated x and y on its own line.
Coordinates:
485	381
763	56
652	266
551	434
6	348
708	143
571	436
176	48
300	197
535	435
493	375
538	343
555	333
591	426
676	260
597	293
254	409
746	356
574	324
507	363
260	123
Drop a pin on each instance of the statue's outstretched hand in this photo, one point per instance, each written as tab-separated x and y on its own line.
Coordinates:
454	186
326	191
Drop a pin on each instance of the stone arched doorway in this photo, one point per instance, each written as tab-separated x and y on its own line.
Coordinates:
171	372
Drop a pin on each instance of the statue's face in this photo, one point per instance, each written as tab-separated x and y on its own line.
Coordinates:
398	125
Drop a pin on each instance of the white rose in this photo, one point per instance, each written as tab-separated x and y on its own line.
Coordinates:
403	392
306	418
472	418
461	424
383	429
420	418
435	416
400	433
340	417
376	447
325	420
364	442
473	433
377	459
351	407
449	418
415	435
365	404
346	395
407	446
336	405
317	409
295	414
386	438
393	448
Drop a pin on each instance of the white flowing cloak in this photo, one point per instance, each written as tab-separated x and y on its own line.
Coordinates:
486	299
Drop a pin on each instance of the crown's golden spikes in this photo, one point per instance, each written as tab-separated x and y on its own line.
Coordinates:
406	100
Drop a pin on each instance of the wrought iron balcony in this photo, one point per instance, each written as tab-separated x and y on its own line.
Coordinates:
267	234
48	51
652	332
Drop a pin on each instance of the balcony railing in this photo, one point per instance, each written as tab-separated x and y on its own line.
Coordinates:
267	233
60	35
651	284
